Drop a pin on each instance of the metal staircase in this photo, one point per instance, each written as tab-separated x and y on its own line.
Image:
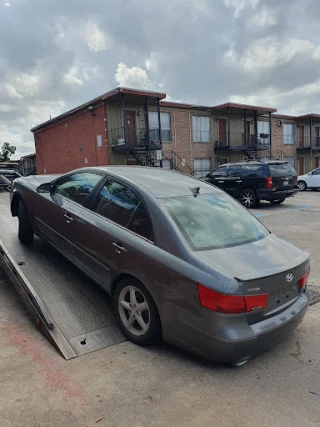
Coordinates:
177	163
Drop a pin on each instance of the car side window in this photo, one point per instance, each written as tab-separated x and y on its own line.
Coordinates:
256	171
122	206
77	187
140	223
316	172
235	170
221	171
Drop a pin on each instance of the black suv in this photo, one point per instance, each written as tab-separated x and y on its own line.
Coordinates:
252	181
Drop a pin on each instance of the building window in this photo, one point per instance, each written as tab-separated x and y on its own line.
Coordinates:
264	133
201	129
288	133
202	167
165	126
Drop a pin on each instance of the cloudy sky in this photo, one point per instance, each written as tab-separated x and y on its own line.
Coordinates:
56	54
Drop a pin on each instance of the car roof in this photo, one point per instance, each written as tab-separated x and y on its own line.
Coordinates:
256	162
161	182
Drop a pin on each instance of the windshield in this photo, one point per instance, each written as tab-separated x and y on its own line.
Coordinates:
282	169
212	221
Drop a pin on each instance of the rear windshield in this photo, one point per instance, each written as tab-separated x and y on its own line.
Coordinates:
212	221
282	169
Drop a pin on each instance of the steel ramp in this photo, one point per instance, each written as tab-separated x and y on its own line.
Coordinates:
71	310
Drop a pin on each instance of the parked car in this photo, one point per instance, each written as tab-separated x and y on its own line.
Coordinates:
180	258
309	180
252	181
8	173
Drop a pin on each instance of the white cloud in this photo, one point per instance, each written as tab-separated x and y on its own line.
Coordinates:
264	17
6	4
132	77
270	52
238	5
72	77
94	37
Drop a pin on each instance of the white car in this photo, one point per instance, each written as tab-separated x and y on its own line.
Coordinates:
309	180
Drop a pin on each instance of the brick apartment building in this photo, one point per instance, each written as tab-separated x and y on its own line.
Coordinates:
128	126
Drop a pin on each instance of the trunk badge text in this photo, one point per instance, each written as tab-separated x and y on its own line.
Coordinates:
289	277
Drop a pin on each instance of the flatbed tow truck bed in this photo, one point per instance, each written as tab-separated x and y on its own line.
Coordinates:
71	310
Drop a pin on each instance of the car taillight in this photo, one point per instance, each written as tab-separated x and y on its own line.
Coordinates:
304	280
231	304
269	183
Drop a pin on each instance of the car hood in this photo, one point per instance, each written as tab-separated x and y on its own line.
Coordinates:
262	258
41	179
302	176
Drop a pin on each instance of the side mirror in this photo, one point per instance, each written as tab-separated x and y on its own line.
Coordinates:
45	188
309	173
208	175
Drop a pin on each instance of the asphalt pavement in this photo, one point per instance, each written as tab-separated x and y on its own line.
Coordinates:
125	385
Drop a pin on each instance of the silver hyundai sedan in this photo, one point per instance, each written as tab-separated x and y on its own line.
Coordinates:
181	259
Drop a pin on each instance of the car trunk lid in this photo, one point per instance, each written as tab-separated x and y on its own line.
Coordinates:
268	266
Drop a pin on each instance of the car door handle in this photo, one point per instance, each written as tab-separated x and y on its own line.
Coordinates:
68	218
119	248
239	180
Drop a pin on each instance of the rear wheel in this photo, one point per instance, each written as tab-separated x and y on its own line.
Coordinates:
277	202
25	231
249	198
136	312
302	185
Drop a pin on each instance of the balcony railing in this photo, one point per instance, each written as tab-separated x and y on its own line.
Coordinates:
238	139
135	137
306	142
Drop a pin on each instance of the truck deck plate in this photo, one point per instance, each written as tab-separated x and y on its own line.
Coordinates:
79	312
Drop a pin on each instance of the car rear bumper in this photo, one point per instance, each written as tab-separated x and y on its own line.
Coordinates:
277	195
243	340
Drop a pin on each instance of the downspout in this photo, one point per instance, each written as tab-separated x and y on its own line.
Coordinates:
311	139
270	136
228	116
123	110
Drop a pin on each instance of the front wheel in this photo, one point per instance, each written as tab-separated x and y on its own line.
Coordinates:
25	231
136	312
302	186
249	198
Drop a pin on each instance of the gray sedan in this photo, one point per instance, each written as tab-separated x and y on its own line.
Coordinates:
182	260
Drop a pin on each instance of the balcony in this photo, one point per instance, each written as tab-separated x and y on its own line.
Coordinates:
122	139
241	142
305	143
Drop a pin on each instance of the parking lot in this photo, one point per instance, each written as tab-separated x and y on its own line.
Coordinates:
162	386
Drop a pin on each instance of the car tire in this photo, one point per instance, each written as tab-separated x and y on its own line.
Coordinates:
25	231
142	326
302	185
249	199
277	202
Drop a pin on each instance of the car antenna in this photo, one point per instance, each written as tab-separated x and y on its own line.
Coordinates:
195	191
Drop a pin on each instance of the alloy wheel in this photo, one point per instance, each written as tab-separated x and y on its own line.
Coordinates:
134	310
302	186
248	198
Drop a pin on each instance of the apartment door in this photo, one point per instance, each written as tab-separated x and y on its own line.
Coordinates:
131	127
223	131
301	136
301	165
316	162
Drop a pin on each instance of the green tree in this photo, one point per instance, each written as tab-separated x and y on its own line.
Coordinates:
6	151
